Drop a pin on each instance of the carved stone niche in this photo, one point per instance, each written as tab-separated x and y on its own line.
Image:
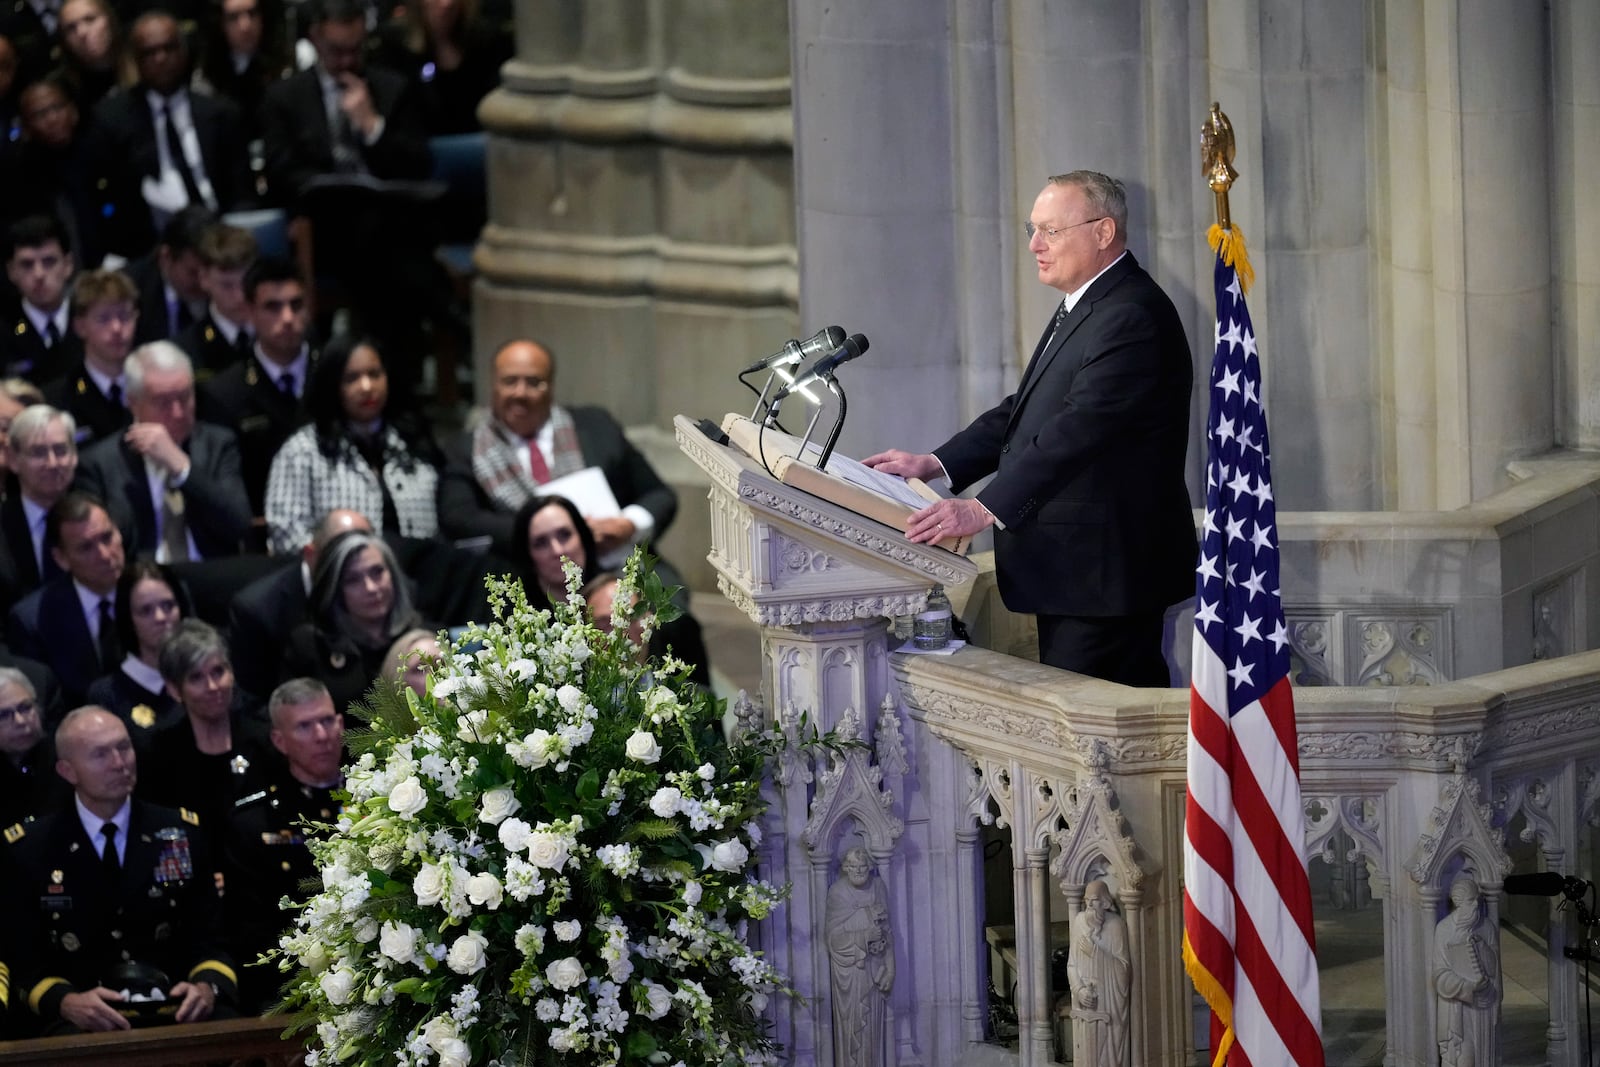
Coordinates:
787	558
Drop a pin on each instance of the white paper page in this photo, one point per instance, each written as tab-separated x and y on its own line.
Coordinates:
588	489
857	473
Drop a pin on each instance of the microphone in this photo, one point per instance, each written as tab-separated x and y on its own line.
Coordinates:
1546	884
824	368
824	340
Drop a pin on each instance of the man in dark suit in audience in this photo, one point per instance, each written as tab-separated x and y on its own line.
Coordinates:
69	623
104	316
260	398
223	336
39	343
492	471
343	119
45	461
160	148
265	611
171	298
176	480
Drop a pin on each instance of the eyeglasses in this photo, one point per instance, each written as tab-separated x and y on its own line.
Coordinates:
1050	234
18	711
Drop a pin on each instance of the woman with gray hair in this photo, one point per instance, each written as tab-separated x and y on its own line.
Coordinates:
200	761
359	605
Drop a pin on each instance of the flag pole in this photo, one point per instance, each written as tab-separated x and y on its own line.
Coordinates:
1216	166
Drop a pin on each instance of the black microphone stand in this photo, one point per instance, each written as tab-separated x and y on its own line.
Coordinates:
838	423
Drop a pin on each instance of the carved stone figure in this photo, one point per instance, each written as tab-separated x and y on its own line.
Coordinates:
1099	971
860	961
1466	980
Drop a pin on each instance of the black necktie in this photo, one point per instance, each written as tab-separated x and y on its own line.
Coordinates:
242	344
286	383
1061	317
52	335
108	637
175	150
108	855
114	394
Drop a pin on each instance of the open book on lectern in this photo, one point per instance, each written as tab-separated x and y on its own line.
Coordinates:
885	498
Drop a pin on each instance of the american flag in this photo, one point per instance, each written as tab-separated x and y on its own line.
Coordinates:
1248	943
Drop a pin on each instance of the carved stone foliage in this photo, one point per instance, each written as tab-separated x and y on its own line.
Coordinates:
888	743
799	558
1311	659
850	787
1439	750
1096	843
1578	723
1528	795
1460	838
1345	828
817	609
1400	650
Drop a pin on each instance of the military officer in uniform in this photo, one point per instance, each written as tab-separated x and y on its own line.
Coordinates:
266	858
108	885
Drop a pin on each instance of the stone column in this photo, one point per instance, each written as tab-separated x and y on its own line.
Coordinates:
1575	218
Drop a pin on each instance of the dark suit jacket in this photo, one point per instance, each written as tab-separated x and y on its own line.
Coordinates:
299	145
24	354
1088	457
154	321
263	416
48	625
19	570
216	507
208	349
78	395
465	510
259	622
121	152
73	926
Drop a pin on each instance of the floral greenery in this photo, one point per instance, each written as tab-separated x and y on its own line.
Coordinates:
546	859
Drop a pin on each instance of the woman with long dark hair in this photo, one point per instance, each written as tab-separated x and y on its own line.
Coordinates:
545	533
360	452
95	58
150	603
360	605
453	55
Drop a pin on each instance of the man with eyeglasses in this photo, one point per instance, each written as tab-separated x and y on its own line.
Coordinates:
105	315
265	854
28	782
1095	535
44	458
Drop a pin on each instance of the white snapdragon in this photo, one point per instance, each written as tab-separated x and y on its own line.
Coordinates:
642	747
529	940
522	879
498	804
620	860
691	893
661	704
468	953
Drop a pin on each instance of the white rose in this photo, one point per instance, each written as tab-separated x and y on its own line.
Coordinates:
642	747
408	798
484	890
565	973
315	958
498	804
729	855
398	942
665	802
467	955
548	850
538	746
428	885
453	1052
366	930
514	834
567	930
337	985
691	893
661	701
660	1000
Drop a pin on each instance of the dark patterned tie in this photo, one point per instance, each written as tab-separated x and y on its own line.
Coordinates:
107	640
108	855
1061	318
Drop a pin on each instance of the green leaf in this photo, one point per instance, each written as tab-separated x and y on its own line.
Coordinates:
641	1043
589	785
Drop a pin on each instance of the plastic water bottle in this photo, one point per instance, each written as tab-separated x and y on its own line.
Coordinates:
932	627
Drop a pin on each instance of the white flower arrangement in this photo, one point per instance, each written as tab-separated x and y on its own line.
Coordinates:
547	859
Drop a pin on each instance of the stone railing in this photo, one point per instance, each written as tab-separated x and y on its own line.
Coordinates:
1412	787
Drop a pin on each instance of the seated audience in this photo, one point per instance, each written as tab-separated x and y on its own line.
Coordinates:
94	55
69	622
29	785
359	606
46	171
222	336
156	148
259	398
16	394
452	53
104	316
150	604
44	459
201	760
410	658
171	298
30	45
267	610
265	855
358	453
549	531
242	51
40	344
173	484
165	916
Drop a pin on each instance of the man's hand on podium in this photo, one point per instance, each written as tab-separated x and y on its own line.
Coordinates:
906	464
948	518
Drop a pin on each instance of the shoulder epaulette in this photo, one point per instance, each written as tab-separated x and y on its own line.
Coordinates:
14	833
189	817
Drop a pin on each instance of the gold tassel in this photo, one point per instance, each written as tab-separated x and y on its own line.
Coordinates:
1229	244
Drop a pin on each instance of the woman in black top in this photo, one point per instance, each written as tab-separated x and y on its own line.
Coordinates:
150	603
452	53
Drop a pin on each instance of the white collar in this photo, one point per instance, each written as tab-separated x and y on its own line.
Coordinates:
40	318
92	822
144	674
1076	295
